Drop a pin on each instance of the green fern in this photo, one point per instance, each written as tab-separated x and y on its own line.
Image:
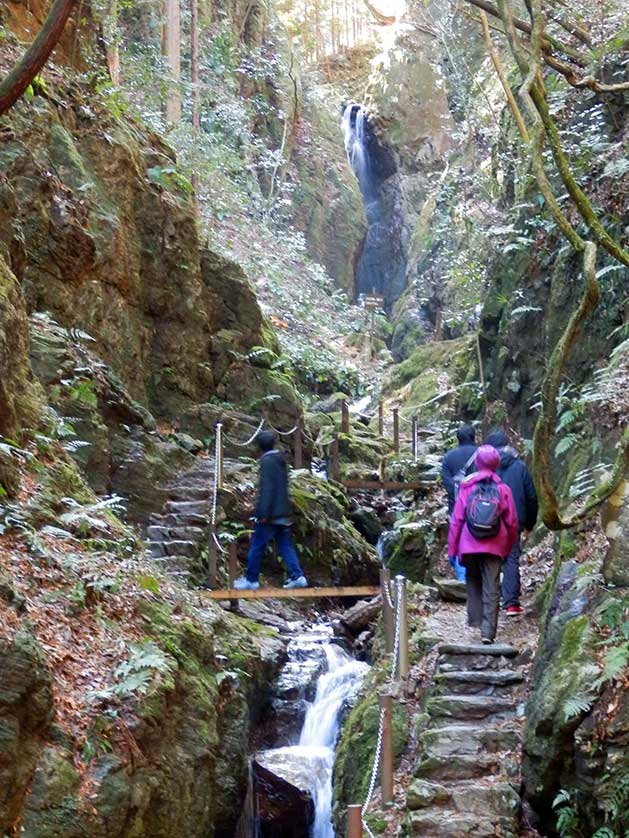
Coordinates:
576	706
565	444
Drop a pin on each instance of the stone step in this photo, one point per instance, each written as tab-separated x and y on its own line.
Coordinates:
493	649
469	707
433	766
182	533
173	548
172	520
187	507
175	564
463	740
479	682
190	493
447	823
469	797
454	663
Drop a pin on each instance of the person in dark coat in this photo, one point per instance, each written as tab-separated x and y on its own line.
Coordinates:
516	475
456	461
272	518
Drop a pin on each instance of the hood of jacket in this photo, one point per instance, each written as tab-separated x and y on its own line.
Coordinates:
508	455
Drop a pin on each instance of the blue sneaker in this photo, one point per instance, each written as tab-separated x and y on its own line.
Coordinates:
243	584
300	582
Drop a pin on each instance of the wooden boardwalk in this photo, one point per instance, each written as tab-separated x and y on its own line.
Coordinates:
293	593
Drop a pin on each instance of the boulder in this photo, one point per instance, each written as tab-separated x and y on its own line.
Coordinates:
451	590
367	523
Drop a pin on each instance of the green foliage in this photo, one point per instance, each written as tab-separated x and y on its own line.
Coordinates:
136	674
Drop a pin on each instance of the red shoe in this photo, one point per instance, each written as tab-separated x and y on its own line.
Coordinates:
514	610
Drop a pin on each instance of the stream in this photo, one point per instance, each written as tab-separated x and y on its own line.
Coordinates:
307	765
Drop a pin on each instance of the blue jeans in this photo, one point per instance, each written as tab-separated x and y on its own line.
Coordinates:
457	567
511	576
262	534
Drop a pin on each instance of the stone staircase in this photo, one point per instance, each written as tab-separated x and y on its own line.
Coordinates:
176	536
467	773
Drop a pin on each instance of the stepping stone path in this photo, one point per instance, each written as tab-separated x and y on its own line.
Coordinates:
467	773
176	536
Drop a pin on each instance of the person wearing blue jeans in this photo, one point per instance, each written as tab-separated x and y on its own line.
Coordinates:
272	519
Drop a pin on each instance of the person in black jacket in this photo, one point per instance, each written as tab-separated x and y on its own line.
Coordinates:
272	518
455	461
518	478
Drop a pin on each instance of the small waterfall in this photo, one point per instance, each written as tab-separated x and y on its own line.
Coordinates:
309	765
354	127
321	727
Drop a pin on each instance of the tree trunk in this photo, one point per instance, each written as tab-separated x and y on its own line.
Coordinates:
172	43
194	64
36	55
112	35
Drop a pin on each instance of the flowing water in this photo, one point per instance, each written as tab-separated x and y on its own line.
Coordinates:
309	764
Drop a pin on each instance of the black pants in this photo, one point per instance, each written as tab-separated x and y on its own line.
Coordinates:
483	592
511	576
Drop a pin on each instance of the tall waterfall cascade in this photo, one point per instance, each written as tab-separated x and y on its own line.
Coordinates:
310	763
381	266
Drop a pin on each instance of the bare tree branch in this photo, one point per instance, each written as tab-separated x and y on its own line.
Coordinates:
14	85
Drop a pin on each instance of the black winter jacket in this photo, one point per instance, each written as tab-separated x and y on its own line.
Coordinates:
454	461
518	478
273	501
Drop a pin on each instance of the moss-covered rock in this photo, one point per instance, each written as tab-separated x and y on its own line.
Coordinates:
577	720
26	710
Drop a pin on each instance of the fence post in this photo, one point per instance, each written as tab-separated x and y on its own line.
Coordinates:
400	587
219	455
414	432
388	615
335	457
354	821
386	754
381	418
233	563
299	461
344	417
212	559
396	430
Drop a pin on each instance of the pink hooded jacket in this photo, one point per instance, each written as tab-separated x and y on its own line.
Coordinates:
461	542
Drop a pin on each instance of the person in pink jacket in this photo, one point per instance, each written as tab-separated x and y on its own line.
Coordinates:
483	529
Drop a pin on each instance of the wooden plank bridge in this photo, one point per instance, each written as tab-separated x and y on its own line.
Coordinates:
293	593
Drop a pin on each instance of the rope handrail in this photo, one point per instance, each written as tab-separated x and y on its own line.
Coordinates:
251	439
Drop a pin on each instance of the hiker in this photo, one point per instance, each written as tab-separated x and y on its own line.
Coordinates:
516	475
483	529
272	518
455	466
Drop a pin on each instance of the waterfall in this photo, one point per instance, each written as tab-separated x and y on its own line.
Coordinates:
309	765
321	727
382	266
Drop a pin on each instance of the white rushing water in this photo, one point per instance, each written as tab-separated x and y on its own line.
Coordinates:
341	682
309	765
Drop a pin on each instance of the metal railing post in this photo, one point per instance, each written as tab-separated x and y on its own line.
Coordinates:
354	821
299	460
386	753
414	432
388	615
400	587
344	417
219	455
381	418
